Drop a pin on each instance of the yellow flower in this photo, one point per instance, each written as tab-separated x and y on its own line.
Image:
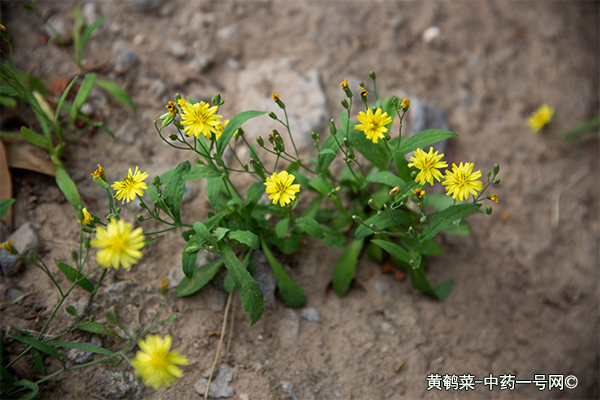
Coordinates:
156	364
405	103
373	125
344	84
8	247
428	163
540	118
418	192
199	119
221	128
172	107
363	92
130	185
281	188
99	172
118	244
88	220
494	198
462	181
275	97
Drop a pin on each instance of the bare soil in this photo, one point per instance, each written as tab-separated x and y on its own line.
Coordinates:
525	298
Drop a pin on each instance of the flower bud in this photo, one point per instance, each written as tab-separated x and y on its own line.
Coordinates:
192	249
272	115
411	231
379	212
169	118
394	190
372	75
87	229
374	229
414	174
87	243
357	219
388	138
489	175
395	102
405	104
372	204
346	142
493	198
156	182
140	218
488	210
260	141
332	128
216	100
363	93
423	219
102	183
497	181
173	136
245	166
71	310
278	101
199	161
163	286
74	255
177	97
345	104
496	169
118	210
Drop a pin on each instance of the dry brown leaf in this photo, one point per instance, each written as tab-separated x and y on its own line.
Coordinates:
21	154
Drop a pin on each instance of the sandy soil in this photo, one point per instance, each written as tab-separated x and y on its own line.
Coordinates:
525	299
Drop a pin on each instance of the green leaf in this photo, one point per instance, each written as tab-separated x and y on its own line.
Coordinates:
228	283
201	276
188	260
198	172
96	327
67	186
281	228
343	272
72	274
204	233
311	226
430	248
419	281
292	294
85	36
321	185
252	297
213	188
449	215
404	171
380	221
80	346
386	177
463	229
439	201
333	238
233	126
29	385
37	360
84	91
425	138
329	150
117	92
35	138
246	237
43	347
443	290
393	249
61	101
220	233
8	101
5	206
175	188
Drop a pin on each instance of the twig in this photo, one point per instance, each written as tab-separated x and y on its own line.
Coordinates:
231	328
572	181
220	343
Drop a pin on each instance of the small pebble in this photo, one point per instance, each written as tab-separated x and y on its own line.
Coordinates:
337	391
311	315
260	337
440	360
430	33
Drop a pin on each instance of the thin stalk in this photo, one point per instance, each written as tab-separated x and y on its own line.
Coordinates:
220	343
287	126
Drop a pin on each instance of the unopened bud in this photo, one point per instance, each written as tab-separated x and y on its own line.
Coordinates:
423	218
496	169
163	286
488	210
357	219
388	138
332	128
394	190
74	255
374	229
413	174
140	218
345	104
156	181
346	142
216	100
489	175
272	115
240	132
372	204
199	161
405	104
260	141
395	102
411	231
245	166
497	181
192	249
87	229
87	243
338	189
173	136
118	210
372	75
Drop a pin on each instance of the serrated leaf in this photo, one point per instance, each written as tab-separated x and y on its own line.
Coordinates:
425	138
311	226
175	188
446	217
343	272
252	297
5	206
117	92
213	188
292	294
246	237
188	260
200	277
233	125
72	274
281	228
67	186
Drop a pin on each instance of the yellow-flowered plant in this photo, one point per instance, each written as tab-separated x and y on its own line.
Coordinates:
130	186
199	119
462	182
118	244
156	364
540	118
428	164
280	188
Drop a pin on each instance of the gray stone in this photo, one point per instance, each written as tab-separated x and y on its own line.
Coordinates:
126	61
425	116
219	387
178	49
440	360
263	274
311	315
303	95
431	33
82	356
232	63
200	63
288	388
113	385
383	287
337	391
24	240
289	327
98	99
158	89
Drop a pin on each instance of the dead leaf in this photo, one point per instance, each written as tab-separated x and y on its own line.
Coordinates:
6	191
21	154
22	368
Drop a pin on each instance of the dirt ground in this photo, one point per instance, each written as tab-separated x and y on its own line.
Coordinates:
525	299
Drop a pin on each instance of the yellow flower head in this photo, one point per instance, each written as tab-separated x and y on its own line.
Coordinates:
373	125
118	244
172	107
405	103
199	119
344	84
88	220
428	163
540	118
462	181
363	92
281	188
98	173
418	192
8	247
156	364
494	198
130	185
275	97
